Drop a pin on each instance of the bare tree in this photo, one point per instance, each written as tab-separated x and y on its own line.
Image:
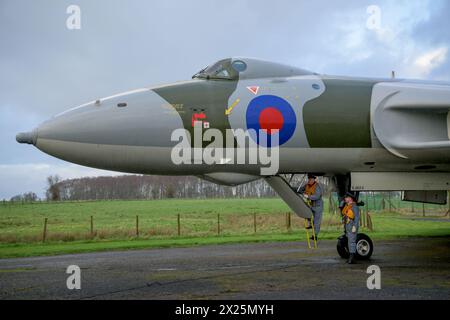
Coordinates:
30	197
53	193
155	187
25	197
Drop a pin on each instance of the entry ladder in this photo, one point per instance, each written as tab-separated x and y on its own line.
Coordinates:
308	238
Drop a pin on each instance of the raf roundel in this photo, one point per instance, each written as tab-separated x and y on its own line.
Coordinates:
270	116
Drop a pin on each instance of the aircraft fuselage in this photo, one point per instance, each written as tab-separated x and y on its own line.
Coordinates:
325	124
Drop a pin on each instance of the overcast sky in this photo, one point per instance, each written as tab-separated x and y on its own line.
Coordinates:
122	45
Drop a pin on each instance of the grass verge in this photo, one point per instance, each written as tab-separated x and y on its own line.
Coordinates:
68	229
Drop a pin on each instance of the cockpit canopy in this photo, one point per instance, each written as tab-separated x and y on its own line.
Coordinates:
246	68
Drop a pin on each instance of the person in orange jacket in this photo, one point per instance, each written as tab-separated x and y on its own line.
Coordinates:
350	213
312	191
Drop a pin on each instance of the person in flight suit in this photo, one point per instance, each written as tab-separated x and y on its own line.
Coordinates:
350	213
312	191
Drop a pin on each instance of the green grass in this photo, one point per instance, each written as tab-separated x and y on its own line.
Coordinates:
114	225
117	219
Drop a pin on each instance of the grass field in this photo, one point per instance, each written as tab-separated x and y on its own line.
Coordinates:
114	225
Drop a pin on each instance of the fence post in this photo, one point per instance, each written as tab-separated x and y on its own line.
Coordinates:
254	222
423	209
370	224
330	208
331	204
44	233
179	225
218	224
137	226
288	221
390	204
374	201
367	200
363	216
92	226
448	202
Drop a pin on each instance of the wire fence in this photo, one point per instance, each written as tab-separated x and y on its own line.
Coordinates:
48	227
143	227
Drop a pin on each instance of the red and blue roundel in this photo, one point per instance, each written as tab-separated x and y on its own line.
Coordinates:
269	116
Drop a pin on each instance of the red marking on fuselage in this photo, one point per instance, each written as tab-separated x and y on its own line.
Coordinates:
198	117
253	89
271	120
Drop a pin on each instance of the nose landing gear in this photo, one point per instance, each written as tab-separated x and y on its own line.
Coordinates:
364	247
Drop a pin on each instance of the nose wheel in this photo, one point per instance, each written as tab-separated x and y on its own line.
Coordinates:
364	247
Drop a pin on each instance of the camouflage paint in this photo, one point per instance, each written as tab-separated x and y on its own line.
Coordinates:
208	96
340	117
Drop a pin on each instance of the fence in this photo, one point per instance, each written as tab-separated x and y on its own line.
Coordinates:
81	226
374	201
377	202
391	202
172	226
260	223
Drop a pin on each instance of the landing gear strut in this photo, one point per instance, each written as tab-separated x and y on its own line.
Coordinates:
364	245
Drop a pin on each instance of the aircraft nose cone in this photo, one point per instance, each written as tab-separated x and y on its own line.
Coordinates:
27	137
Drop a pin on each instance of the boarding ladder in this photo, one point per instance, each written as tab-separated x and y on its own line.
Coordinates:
296	202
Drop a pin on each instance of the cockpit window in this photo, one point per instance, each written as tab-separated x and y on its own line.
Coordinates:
223	73
247	68
239	66
217	70
220	70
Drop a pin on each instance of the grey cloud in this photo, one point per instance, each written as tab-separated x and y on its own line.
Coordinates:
125	45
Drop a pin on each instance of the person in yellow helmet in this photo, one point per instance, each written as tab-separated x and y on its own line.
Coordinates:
350	215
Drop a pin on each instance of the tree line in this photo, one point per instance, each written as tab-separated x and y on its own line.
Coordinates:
128	187
153	187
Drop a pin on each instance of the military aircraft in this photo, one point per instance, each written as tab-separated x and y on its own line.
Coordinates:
366	134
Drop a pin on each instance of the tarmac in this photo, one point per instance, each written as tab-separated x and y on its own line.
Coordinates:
410	269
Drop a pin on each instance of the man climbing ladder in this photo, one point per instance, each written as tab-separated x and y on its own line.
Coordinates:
312	192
